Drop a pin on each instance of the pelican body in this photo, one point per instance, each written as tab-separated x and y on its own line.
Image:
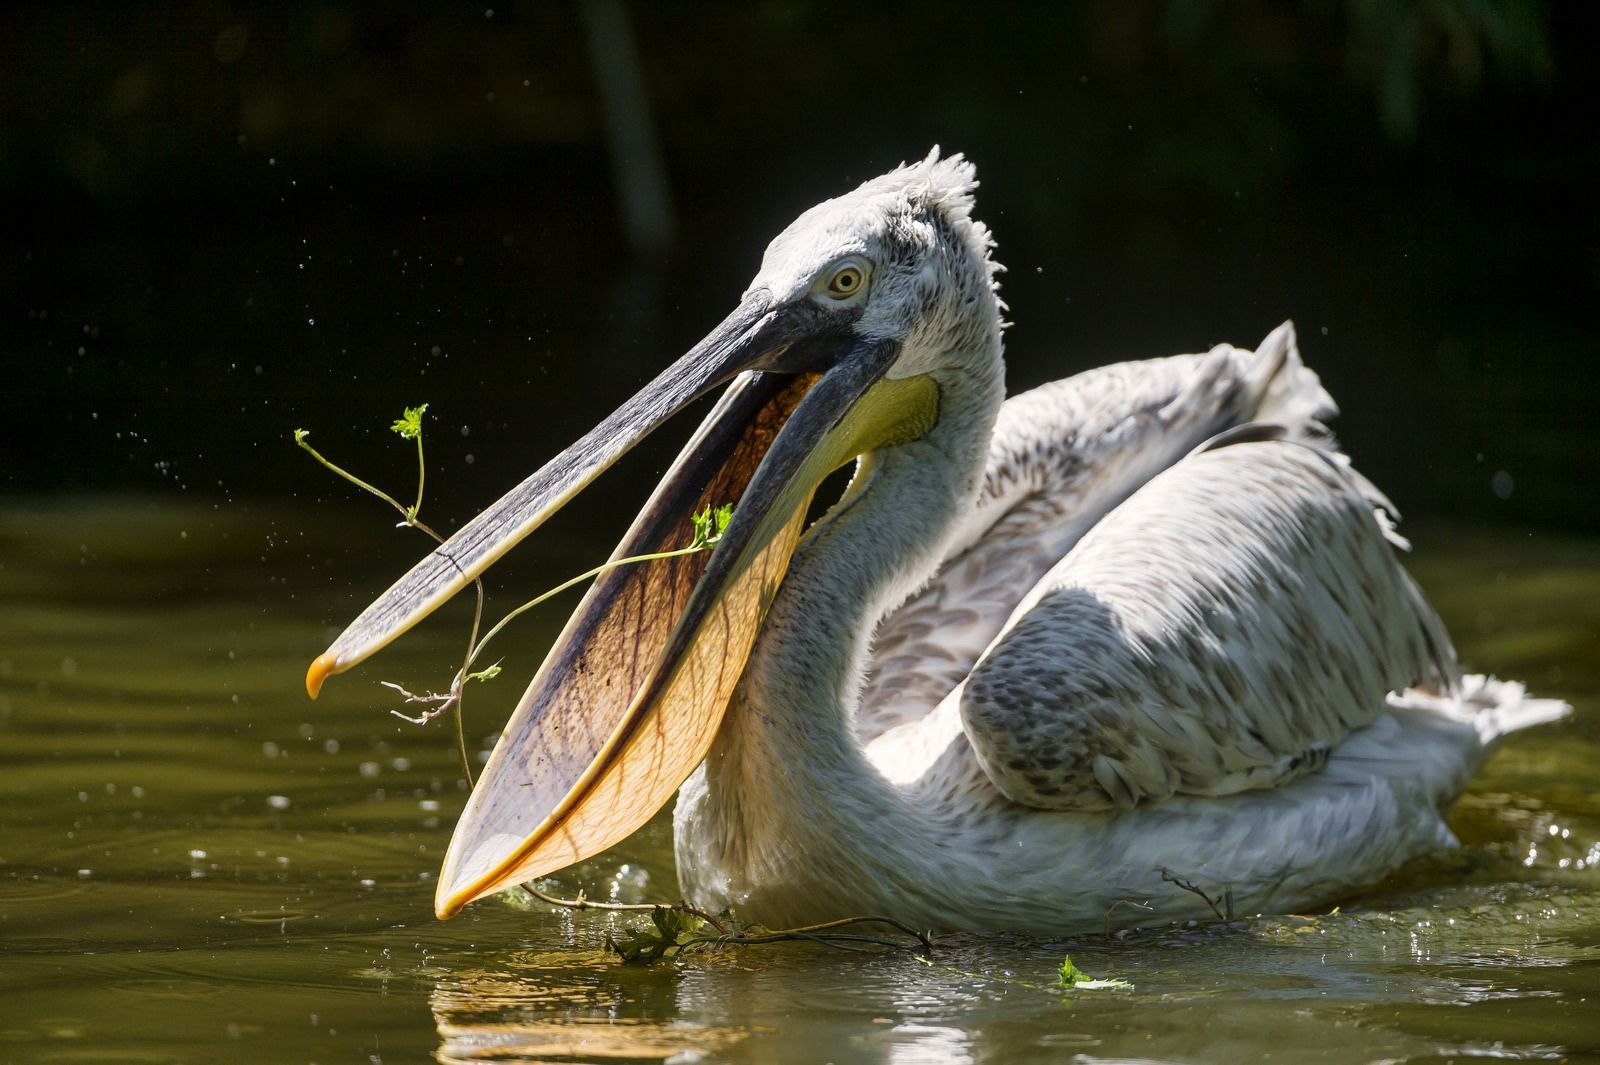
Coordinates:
1043	656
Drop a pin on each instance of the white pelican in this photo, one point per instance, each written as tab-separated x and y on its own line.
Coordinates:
1143	620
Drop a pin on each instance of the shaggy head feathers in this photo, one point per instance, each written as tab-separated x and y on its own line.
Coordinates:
931	261
942	187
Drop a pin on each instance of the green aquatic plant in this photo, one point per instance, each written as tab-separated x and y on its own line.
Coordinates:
709	525
675	929
671	931
1075	978
409	426
708	528
408	513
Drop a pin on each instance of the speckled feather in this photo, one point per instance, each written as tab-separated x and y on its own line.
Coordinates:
1221	630
1062	456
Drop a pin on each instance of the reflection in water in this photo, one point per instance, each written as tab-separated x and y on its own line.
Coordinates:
578	1039
922	1044
564	1007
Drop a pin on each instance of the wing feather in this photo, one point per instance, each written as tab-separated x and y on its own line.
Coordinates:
1221	630
1063	455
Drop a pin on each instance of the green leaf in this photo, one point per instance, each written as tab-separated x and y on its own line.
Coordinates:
1078	980
702	527
671	931
300	435
409	425
676	925
709	525
489	673
1070	973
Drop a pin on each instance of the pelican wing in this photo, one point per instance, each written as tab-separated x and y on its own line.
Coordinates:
1221	630
1062	456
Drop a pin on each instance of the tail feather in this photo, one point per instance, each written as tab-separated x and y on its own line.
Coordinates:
1501	707
1494	708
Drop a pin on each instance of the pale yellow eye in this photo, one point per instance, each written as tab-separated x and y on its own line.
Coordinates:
846	282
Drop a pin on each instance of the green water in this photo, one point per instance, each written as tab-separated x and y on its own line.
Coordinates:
199	865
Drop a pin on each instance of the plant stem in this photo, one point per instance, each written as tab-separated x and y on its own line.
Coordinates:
708	531
353	479
588	574
422	476
411	519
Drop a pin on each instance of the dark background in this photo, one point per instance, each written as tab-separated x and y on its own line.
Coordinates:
223	222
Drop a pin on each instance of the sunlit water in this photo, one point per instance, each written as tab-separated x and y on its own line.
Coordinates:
197	864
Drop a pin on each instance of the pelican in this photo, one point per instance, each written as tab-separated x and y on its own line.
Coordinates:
1043	656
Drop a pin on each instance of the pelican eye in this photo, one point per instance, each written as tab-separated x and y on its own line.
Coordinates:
846	282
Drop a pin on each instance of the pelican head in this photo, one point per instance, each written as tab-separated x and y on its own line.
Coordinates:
862	311
899	260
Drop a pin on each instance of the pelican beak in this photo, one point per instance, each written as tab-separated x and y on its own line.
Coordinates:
632	694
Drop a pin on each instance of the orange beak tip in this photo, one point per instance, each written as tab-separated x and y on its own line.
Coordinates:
320	670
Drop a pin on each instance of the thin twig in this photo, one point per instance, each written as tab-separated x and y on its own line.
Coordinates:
1121	902
583	903
845	922
588	574
838	941
410	518
755	934
1169	877
300	439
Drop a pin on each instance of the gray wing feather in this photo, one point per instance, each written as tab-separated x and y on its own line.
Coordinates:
1221	630
1063	455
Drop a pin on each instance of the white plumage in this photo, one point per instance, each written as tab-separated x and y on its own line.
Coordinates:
1027	669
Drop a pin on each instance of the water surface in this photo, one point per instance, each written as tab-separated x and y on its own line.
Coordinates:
197	864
